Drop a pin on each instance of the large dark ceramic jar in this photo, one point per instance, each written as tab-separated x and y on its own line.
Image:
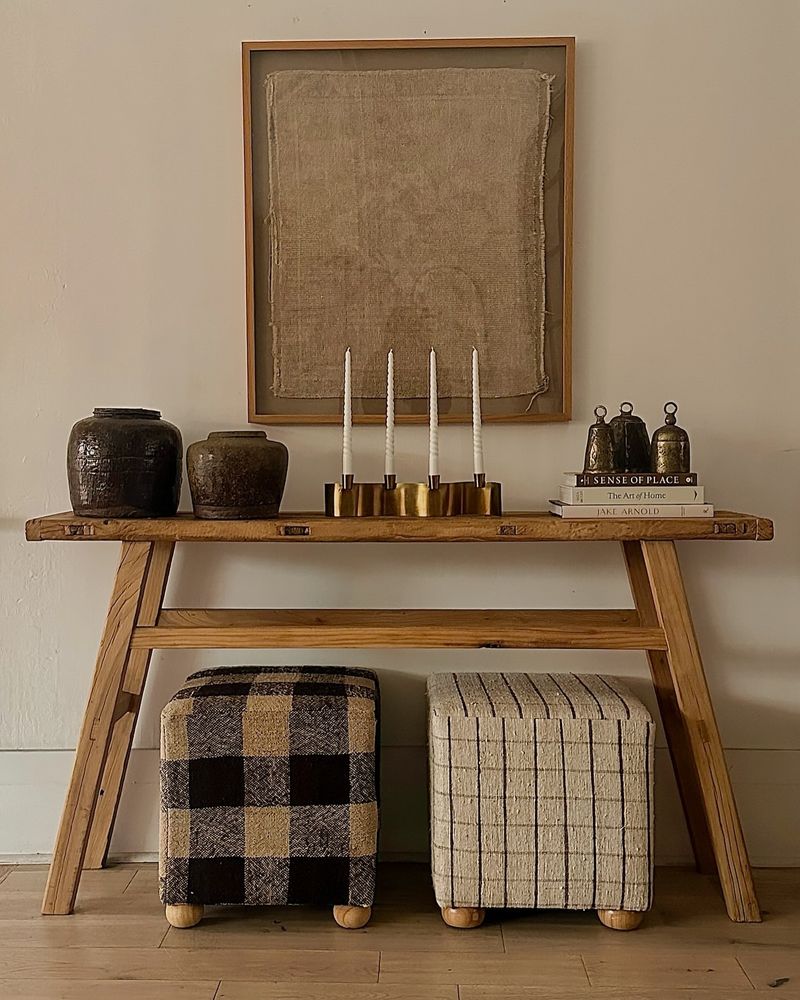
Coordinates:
237	474
124	463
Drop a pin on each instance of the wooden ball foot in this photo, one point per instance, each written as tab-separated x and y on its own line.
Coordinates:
463	917
184	915
620	920
352	917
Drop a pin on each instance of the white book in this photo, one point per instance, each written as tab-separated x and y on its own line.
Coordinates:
631	494
626	511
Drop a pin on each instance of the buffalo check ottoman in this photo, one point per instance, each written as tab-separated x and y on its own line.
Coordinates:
541	795
269	791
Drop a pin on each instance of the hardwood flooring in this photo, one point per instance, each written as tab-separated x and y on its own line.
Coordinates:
117	946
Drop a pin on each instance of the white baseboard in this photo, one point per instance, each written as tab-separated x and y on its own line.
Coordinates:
32	786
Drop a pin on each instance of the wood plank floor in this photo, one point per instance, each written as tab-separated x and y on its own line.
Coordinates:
118	945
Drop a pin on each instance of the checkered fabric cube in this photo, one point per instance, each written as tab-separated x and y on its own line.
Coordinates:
269	787
541	791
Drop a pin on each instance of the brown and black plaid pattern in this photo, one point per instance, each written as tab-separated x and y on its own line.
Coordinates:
269	787
541	791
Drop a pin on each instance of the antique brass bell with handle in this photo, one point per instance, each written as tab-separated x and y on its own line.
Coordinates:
631	441
599	455
670	451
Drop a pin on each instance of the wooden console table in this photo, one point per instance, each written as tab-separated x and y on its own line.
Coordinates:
659	623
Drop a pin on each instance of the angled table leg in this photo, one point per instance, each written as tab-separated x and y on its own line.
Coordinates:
683	762
694	704
127	714
101	710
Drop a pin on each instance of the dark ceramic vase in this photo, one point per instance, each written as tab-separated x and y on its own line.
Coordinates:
124	463
237	474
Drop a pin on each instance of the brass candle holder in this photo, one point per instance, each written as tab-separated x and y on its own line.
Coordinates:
412	499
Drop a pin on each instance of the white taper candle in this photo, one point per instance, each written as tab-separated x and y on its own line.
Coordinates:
477	428
433	433
388	467
347	424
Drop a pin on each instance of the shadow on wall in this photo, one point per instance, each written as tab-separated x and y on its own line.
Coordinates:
767	782
755	717
405	817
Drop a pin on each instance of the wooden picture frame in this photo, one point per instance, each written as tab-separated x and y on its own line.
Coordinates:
265	408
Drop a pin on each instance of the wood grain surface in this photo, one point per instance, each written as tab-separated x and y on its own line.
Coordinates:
363	628
702	733
95	735
118	945
521	526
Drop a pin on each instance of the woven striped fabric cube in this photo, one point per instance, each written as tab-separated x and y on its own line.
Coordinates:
541	791
269	787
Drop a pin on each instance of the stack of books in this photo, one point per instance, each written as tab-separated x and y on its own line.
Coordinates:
630	494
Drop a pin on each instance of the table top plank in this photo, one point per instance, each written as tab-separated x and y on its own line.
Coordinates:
304	527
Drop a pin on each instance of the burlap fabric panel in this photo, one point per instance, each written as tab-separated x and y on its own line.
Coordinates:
407	212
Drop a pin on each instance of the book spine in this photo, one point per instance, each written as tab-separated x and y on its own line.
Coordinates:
573	511
630	479
639	494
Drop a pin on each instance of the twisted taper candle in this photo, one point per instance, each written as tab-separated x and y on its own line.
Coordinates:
477	426
388	468
347	423
433	432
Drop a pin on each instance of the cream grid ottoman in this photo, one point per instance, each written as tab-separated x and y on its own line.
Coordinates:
541	795
269	791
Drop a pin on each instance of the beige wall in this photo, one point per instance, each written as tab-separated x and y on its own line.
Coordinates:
122	283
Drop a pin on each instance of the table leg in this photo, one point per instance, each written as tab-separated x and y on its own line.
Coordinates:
127	714
680	749
694	704
93	743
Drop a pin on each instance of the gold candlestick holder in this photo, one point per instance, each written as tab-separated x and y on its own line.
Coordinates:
412	500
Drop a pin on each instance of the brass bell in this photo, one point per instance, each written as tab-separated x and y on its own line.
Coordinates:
631	441
669	451
599	455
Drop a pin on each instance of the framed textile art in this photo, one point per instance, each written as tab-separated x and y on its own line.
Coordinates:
403	195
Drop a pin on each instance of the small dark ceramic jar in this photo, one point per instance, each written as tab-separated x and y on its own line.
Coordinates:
124	463
237	474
